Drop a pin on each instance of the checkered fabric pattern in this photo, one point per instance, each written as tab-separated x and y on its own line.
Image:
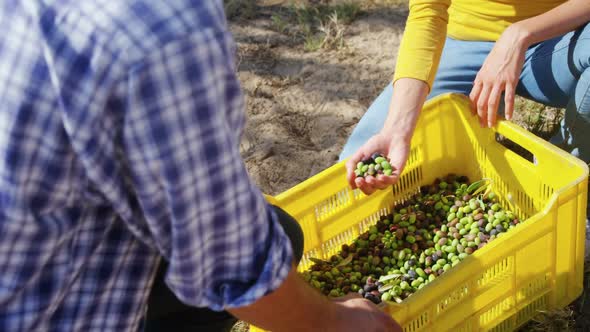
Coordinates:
119	130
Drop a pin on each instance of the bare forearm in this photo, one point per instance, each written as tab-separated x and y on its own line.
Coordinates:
558	21
294	306
407	101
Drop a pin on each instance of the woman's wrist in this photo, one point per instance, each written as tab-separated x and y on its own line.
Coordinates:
521	36
396	136
404	109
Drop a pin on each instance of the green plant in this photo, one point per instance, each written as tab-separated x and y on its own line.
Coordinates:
245	9
312	43
347	12
279	24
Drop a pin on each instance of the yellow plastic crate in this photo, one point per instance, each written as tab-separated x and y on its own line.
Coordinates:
536	266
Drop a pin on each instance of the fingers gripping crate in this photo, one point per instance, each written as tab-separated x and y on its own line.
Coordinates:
536	266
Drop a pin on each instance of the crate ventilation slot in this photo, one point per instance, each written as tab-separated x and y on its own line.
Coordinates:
525	204
496	274
546	191
466	326
505	326
305	259
408	182
414	156
452	299
372	220
533	289
308	226
417	324
496	311
333	245
499	186
531	310
480	154
333	204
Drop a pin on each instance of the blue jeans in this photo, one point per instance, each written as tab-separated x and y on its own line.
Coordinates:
556	72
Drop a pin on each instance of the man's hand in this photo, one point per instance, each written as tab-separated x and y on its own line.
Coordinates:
355	314
296	306
396	150
500	73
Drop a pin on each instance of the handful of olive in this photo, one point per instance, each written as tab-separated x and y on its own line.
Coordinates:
376	164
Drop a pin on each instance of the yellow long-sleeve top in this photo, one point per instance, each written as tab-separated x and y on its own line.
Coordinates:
430	21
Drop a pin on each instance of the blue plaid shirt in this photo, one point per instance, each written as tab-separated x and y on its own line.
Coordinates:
119	130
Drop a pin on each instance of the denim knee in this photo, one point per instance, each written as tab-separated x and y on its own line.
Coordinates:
579	55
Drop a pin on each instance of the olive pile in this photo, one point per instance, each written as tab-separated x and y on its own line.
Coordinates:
422	238
375	165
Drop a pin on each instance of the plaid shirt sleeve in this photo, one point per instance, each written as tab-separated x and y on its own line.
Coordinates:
181	137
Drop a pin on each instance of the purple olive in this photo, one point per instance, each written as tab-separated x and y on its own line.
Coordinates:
372	298
368	288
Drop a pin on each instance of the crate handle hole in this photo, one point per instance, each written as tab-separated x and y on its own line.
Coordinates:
515	147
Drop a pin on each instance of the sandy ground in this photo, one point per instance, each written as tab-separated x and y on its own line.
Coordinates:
301	105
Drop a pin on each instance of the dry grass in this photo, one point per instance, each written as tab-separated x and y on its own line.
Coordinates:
539	119
561	320
316	26
333	31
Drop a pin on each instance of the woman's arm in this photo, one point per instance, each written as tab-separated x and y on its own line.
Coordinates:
561	19
394	138
423	40
501	70
416	66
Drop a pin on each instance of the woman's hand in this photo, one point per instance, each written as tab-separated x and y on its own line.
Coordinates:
396	150
500	73
395	137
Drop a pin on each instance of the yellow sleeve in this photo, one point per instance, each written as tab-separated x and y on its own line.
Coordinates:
423	40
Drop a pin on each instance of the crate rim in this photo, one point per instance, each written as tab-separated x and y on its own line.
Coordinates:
503	126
